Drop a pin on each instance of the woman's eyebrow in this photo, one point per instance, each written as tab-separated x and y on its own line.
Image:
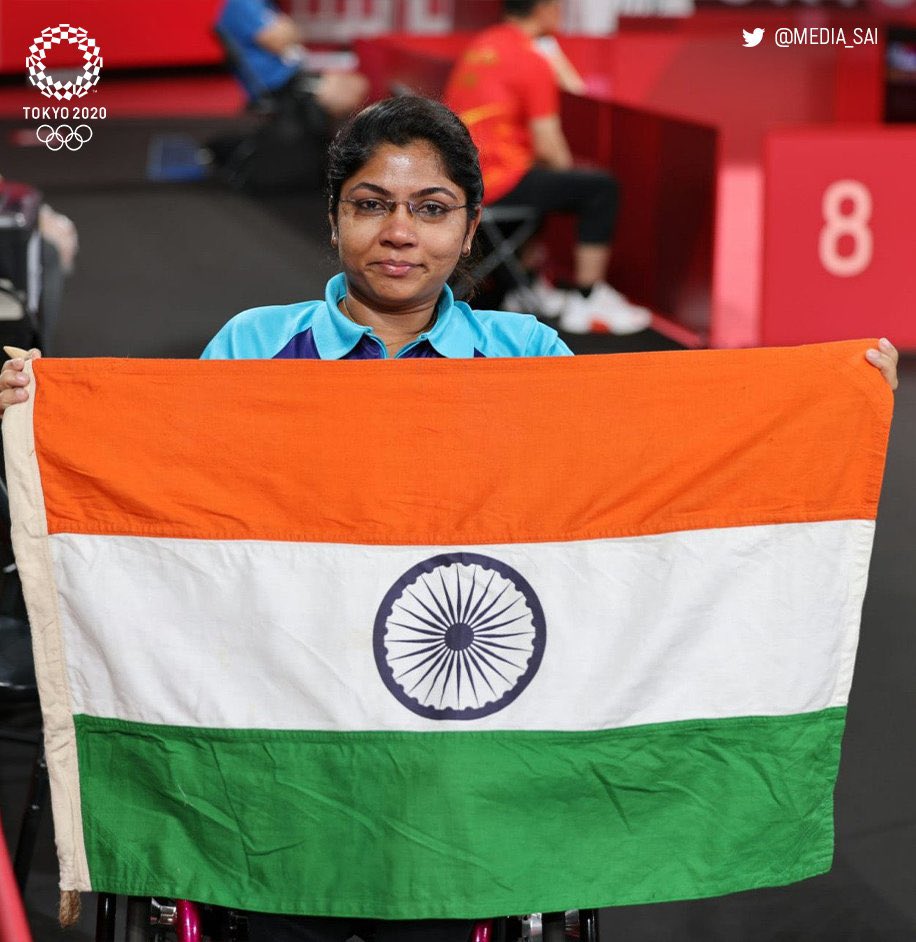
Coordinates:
428	191
363	185
431	190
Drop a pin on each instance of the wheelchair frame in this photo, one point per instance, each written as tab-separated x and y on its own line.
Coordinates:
186	919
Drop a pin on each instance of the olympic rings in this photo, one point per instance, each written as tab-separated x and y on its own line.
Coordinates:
63	136
44	81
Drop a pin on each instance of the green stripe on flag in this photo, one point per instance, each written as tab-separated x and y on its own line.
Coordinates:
457	824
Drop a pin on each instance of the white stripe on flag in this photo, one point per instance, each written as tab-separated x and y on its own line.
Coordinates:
247	634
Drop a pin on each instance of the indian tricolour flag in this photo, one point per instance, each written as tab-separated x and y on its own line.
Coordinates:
446	638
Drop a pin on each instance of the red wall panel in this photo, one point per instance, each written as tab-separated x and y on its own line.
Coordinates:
838	235
130	33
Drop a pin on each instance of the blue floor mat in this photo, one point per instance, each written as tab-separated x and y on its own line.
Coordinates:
175	158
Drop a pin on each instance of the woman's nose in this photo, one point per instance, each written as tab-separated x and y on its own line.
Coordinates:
400	227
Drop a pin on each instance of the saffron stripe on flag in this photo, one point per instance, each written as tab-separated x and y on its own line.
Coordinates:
505	451
282	635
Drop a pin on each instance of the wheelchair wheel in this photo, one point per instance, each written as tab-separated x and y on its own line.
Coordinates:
148	919
137	928
580	924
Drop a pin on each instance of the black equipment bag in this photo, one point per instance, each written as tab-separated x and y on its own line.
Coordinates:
288	150
20	263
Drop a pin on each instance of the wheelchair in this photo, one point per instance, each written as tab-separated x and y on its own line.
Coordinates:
160	920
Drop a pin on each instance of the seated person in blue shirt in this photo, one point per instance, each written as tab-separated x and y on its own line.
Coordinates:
271	62
404	196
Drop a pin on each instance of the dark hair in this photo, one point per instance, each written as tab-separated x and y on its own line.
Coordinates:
521	8
400	121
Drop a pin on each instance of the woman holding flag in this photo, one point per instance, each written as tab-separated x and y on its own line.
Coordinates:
405	193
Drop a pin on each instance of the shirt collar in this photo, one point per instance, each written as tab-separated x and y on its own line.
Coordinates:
336	335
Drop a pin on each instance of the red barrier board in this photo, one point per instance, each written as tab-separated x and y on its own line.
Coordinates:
402	61
711	78
168	32
663	251
839	220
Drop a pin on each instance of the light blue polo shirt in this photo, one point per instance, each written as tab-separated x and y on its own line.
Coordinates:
317	330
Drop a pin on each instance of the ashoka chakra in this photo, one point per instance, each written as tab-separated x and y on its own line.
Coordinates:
459	636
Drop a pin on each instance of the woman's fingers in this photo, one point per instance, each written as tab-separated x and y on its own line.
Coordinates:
13	374
12	396
13	378
885	358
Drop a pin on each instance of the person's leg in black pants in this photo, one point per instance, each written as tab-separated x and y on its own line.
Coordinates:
593	197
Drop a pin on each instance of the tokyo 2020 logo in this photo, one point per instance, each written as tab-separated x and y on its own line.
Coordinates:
72	88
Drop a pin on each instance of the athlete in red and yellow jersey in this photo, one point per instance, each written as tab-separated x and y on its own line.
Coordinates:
500	87
506	89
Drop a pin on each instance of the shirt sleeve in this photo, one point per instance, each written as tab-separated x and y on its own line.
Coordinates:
544	341
242	338
260	333
540	94
220	347
244	19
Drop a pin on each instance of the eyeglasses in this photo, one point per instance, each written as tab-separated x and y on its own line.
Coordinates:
425	210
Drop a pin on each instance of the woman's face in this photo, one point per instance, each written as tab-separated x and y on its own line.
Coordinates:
400	261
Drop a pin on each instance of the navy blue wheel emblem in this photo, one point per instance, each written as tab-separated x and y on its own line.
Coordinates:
459	636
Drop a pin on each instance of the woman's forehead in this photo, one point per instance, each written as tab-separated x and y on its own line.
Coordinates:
414	166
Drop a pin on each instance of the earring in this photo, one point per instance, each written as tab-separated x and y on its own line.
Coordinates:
334	238
466	251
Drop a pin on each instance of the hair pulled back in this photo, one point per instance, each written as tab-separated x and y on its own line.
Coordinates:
401	121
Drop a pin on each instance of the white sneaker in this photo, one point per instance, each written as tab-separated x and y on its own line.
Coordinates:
603	311
540	298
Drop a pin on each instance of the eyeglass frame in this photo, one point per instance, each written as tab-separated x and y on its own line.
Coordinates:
392	205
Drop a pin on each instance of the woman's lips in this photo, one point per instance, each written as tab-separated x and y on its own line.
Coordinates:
396	268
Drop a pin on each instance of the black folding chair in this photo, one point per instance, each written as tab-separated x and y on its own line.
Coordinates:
505	229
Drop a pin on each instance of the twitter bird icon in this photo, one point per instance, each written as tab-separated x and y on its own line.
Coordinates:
753	38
